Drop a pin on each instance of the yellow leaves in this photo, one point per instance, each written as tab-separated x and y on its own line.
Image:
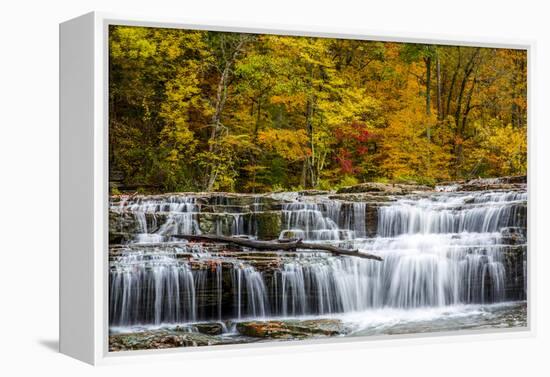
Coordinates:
238	142
253	169
505	148
406	150
131	43
291	144
173	156
289	100
356	106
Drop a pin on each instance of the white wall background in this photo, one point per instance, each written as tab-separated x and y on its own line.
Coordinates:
29	185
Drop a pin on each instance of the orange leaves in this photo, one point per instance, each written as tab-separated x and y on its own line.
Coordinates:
290	100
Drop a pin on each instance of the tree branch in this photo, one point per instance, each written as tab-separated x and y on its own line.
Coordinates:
277	245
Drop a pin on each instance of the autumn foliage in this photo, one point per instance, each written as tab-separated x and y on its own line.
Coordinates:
197	110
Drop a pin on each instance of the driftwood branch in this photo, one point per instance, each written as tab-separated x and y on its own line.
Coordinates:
275	245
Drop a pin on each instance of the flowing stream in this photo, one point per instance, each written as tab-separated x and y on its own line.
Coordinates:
443	252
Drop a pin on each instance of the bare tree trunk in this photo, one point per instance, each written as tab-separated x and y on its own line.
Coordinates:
453	82
221	97
258	119
468	107
438	79
467	72
221	94
459	124
310	160
428	62
292	245
304	173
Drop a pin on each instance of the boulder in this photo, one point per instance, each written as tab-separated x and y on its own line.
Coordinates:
313	192
481	184
209	328
383	188
291	329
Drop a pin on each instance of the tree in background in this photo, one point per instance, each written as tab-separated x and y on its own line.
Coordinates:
198	110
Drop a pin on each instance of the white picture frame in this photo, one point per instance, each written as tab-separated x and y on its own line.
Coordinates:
84	191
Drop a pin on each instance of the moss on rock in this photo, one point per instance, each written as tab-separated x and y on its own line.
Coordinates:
268	224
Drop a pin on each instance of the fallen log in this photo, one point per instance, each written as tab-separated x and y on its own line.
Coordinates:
275	245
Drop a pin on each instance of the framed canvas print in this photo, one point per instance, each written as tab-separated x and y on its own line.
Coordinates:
237	188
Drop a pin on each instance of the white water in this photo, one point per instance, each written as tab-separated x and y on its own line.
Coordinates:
439	253
479	213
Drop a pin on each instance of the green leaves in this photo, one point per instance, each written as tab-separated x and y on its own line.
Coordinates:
412	52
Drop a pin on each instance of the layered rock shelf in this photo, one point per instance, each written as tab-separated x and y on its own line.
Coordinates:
459	243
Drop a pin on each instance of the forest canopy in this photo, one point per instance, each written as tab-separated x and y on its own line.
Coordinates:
212	111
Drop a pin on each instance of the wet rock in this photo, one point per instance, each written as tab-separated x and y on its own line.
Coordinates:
515	267
362	197
221	223
291	235
270	329
327	327
206	222
238	200
313	192
384	188
514	235
481	184
371	219
291	329
502	180
122	222
124	225
159	340
268	224
119	238
224	208
209	328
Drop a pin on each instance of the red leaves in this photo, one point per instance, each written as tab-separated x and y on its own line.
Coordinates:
356	131
343	158
362	150
353	140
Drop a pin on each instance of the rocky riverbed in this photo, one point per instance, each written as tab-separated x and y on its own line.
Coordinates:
216	333
473	317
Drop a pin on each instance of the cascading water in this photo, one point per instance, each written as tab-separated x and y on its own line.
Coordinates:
457	213
307	221
446	249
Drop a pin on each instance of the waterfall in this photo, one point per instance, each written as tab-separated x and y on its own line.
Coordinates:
359	213
479	212
151	288
308	221
180	213
449	248
156	287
